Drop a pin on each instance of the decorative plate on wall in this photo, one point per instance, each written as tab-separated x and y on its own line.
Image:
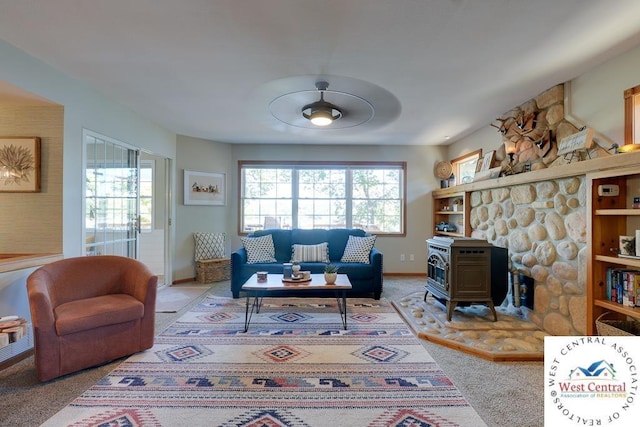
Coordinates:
443	170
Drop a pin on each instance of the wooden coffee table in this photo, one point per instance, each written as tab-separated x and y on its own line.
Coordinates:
273	284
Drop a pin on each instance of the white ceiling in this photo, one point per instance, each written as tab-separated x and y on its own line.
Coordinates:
209	68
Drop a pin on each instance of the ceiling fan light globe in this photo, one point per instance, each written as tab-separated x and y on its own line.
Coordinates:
321	118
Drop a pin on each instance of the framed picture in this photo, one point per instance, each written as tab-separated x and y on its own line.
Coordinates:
487	160
204	188
20	165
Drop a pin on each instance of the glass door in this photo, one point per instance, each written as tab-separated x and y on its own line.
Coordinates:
112	182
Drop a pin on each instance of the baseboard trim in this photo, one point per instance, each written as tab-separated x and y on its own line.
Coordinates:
406	274
188	280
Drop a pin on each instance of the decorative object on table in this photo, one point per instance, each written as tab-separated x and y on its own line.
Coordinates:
204	188
330	273
20	165
295	269
628	245
287	270
262	276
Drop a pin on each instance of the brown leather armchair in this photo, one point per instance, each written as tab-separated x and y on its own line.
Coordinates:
87	311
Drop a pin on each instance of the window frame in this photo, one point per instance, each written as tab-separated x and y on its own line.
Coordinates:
401	166
455	163
147	164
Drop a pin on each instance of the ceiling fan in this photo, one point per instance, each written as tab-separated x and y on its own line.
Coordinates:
344	104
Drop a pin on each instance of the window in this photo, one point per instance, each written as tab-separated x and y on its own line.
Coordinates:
370	196
464	167
147	169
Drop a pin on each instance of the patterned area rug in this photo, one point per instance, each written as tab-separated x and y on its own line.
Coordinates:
473	330
296	366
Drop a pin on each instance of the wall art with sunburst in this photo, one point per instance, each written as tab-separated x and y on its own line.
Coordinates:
19	164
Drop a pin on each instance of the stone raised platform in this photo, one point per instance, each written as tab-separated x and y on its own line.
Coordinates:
472	329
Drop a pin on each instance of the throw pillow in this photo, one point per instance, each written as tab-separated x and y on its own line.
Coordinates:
358	249
209	245
259	249
310	253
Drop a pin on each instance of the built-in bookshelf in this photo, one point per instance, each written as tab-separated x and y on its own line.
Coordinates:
610	196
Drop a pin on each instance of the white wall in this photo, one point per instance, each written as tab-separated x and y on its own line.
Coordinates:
84	107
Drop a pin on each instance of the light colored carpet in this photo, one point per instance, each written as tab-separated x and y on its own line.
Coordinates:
171	299
505	394
296	366
473	330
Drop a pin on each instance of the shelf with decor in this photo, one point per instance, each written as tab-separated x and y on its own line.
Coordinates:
610	195
449	210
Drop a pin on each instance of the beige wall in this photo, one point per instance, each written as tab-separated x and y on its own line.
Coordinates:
197	154
32	222
420	182
202	155
593	99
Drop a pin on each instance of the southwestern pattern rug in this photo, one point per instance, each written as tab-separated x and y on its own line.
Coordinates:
296	366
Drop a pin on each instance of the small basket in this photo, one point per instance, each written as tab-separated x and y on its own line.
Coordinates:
213	270
617	327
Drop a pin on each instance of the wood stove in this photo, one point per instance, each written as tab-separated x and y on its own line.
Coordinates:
459	271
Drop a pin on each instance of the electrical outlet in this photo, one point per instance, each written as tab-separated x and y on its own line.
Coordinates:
401	257
412	258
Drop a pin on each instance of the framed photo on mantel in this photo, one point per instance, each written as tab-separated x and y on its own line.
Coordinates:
19	164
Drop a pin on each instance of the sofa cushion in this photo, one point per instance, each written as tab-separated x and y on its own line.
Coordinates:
91	313
338	237
310	253
259	249
309	236
281	240
358	249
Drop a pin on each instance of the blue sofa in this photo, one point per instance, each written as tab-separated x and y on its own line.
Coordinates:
366	279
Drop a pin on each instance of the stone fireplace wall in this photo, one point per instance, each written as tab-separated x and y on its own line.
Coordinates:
543	225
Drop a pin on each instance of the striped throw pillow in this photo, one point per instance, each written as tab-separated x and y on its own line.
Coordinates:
310	253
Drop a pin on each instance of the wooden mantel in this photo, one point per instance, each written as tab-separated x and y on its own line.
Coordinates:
564	171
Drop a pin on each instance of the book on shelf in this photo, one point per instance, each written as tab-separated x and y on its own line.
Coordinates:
623	286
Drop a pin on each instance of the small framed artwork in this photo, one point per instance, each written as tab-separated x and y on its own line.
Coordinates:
20	164
204	188
487	161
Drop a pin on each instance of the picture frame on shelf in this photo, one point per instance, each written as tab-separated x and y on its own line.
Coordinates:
487	160
204	188
20	164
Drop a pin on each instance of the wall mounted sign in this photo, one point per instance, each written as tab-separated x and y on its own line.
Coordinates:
204	188
19	164
580	141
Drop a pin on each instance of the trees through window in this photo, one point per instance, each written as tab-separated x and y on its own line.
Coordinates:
370	196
